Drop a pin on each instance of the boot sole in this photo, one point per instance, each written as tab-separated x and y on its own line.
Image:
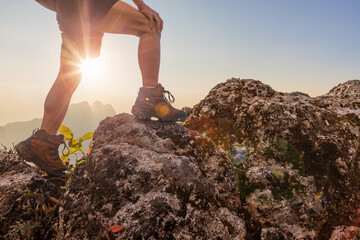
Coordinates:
25	153
145	114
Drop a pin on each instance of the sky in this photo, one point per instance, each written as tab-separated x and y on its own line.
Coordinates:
308	46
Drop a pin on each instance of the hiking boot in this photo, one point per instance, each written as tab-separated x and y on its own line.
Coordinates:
41	148
151	102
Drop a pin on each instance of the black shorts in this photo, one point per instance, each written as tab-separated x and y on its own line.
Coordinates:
77	21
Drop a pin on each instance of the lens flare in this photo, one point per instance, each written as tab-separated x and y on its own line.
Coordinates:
205	126
94	72
91	67
238	154
162	109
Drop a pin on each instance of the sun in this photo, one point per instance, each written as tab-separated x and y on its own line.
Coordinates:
93	67
95	72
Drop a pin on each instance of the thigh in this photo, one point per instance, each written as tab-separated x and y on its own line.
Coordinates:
76	48
122	18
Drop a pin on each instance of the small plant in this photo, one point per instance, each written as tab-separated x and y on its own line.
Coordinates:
6	150
23	227
74	145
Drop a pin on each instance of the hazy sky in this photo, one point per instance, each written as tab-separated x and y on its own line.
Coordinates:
307	45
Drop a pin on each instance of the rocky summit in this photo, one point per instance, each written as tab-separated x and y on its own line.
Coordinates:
249	163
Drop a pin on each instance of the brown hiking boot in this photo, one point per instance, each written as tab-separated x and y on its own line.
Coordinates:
151	102
41	148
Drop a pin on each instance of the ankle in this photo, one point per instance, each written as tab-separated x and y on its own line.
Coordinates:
150	84
49	131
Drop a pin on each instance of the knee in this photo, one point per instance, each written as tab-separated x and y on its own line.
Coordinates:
147	30
151	33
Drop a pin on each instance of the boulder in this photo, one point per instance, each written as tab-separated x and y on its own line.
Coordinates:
152	178
297	157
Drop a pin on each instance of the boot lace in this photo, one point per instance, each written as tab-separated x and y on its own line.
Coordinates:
36	129
67	148
170	98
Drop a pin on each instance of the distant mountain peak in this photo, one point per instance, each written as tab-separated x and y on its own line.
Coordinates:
101	109
80	104
349	88
97	103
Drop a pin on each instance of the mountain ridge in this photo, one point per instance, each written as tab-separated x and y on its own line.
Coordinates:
80	118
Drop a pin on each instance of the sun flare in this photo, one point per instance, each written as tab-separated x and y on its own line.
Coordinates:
92	67
95	71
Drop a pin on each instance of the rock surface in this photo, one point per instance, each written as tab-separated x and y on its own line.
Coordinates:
27	200
297	157
250	163
345	232
151	178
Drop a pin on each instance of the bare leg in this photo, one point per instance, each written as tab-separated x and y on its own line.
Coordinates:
59	96
121	19
149	58
150	102
125	19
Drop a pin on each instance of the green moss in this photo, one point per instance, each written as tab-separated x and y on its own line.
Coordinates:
32	195
285	186
284	152
8	188
354	121
316	105
243	183
277	173
23	227
356	104
292	156
272	93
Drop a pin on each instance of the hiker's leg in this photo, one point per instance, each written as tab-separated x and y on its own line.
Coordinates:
125	19
59	96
